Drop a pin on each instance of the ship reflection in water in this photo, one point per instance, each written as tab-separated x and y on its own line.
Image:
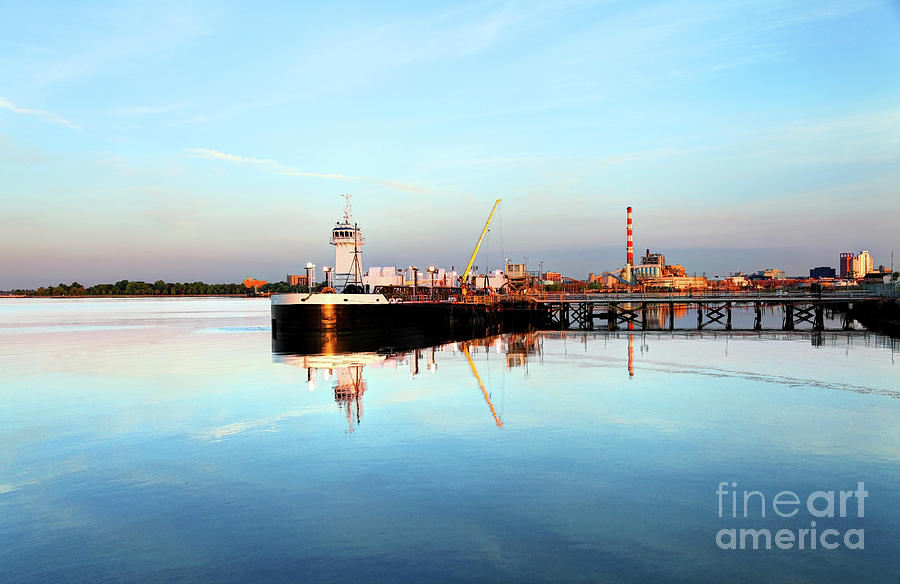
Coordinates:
340	362
344	370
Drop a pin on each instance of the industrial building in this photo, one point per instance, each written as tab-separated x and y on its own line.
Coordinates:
653	271
653	265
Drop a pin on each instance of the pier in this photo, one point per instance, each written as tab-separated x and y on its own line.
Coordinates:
636	311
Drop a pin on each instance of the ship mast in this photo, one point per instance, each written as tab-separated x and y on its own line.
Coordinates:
355	267
347	210
348	264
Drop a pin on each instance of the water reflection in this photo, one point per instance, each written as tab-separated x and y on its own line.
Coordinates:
344	370
180	452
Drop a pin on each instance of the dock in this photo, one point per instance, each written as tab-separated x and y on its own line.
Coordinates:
611	311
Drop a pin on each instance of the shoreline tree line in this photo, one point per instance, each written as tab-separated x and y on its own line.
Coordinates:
158	288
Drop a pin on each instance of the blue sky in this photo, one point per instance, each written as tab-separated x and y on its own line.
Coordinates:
211	141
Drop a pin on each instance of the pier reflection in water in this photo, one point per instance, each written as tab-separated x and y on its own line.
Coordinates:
344	370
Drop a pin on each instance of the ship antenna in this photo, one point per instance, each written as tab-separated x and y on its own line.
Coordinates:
347	210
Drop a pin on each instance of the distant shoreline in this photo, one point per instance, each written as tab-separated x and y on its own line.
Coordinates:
94	296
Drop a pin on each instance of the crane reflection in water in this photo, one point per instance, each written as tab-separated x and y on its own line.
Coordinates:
344	371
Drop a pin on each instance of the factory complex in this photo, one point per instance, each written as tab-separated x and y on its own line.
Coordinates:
653	273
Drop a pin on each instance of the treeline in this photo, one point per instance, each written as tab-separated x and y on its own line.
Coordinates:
158	288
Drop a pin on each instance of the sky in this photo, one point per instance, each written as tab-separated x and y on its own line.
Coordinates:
213	140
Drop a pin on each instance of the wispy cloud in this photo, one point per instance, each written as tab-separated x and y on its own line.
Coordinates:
286	170
44	115
217	155
141	110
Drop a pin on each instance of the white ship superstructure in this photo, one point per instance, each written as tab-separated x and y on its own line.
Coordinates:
347	239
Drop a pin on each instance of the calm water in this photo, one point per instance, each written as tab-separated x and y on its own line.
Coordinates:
161	440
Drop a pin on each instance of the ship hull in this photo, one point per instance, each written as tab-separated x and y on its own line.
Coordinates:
329	323
355	322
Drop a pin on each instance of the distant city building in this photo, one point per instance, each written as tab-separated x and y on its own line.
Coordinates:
822	272
856	265
845	265
737	281
863	264
253	283
770	274
296	280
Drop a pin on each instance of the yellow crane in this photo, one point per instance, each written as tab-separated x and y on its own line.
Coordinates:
464	280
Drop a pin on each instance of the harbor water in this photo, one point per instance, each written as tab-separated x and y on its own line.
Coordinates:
163	440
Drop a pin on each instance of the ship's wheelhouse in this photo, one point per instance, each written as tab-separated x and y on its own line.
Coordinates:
344	232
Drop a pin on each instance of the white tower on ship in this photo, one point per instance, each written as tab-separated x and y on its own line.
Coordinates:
346	237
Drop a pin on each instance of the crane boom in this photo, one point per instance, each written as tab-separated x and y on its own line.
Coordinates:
465	276
484	392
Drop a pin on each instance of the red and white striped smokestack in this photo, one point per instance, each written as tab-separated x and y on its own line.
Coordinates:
630	243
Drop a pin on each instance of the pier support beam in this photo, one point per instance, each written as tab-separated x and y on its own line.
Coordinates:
715	314
638	312
583	315
620	314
